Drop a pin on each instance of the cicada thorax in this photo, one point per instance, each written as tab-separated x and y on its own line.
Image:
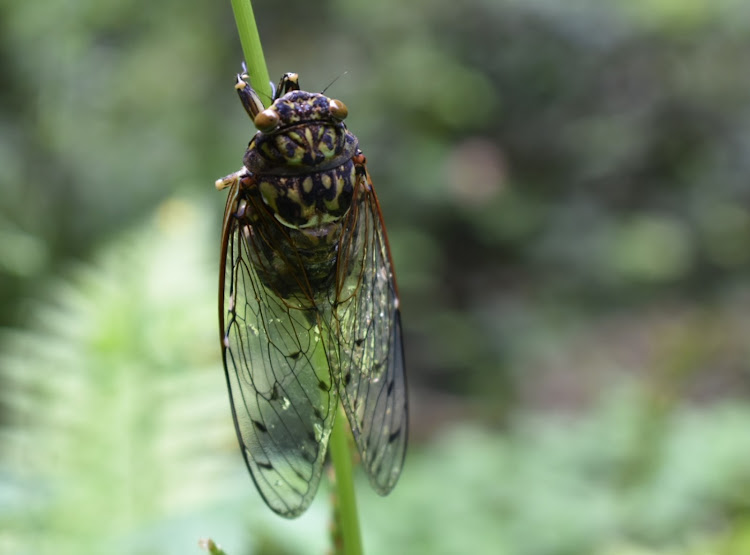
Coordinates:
302	180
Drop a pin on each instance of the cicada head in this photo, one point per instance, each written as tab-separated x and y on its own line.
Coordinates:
299	132
300	107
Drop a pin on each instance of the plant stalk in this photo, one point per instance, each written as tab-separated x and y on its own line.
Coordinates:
251	47
346	535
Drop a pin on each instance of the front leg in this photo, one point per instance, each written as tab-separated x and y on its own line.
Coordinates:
231	179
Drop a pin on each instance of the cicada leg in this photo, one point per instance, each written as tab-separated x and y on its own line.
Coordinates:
231	179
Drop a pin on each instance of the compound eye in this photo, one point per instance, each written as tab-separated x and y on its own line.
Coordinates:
338	109
266	121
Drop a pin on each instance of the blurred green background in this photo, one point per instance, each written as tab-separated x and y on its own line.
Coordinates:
566	191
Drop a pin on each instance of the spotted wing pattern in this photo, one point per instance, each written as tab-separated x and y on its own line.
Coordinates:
366	348
283	400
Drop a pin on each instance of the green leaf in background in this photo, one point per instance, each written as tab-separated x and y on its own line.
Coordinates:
114	397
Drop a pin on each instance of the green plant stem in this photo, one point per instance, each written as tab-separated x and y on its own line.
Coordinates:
345	504
251	47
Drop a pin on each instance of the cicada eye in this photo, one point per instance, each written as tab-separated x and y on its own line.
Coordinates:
266	121
338	109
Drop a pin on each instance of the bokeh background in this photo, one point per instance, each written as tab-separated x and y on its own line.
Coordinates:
566	190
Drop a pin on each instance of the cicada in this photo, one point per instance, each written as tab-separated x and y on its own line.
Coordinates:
308	304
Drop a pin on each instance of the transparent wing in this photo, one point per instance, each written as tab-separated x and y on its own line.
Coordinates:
283	401
367	354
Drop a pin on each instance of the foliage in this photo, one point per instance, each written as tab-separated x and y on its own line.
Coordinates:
111	420
566	192
589	157
565	487
119	440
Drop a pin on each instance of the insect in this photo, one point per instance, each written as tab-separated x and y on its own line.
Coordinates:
308	305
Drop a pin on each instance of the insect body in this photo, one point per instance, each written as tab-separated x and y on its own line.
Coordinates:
308	311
